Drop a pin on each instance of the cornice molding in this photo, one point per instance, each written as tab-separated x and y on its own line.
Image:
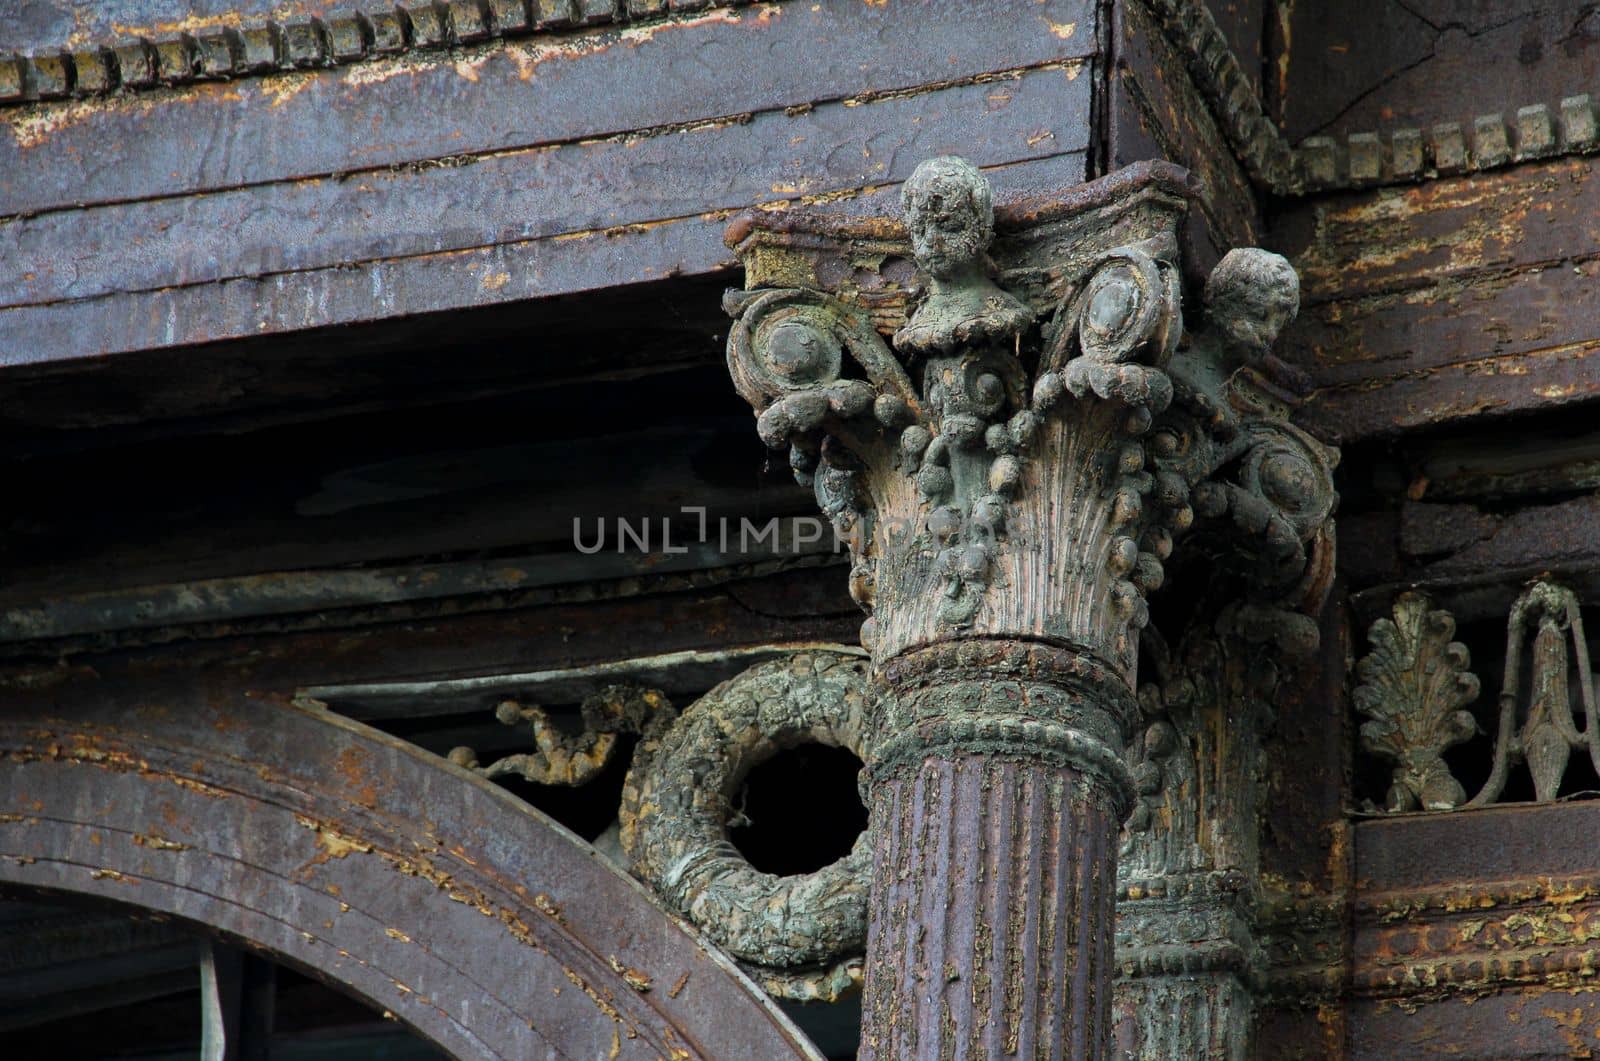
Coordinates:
1363	159
300	44
1447	149
1234	103
303	43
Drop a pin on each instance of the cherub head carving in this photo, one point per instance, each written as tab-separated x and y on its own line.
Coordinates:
1251	296
950	212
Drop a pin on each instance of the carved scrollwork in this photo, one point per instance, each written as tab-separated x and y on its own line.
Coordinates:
679	797
1114	337
1415	686
788	342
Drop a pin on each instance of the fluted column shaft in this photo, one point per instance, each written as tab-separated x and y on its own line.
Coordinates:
996	793
989	934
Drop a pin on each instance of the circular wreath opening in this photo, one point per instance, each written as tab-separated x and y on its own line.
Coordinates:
803	933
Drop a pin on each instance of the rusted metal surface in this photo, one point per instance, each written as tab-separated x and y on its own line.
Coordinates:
418	886
1450	300
132	47
303	225
328	169
1473	559
1357	68
1474	934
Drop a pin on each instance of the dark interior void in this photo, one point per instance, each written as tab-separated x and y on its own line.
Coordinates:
82	981
424	439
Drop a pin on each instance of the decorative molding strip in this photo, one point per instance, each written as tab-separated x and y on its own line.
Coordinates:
306	42
1234	103
1476	938
302	43
1447	149
1364	159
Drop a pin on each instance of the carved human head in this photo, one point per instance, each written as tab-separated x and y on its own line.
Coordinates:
950	212
1251	296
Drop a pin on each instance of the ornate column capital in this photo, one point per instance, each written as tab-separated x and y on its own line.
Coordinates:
1012	436
1006	418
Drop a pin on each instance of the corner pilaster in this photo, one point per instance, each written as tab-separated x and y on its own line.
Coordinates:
1013	432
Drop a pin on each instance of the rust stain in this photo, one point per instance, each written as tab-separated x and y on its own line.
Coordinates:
548	908
191	24
285	87
333	844
631	976
352	769
157	843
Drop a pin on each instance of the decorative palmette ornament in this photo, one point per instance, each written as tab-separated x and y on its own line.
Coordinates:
1415	686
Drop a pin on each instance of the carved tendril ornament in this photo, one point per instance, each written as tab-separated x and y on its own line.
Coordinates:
1547	733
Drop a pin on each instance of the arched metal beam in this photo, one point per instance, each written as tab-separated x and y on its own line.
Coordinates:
432	894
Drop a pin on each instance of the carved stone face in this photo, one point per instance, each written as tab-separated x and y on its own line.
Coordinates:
1252	295
950	212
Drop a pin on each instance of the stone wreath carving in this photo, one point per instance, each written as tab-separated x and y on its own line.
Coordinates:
677	801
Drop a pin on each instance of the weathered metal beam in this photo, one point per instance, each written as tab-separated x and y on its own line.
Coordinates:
532	194
420	887
673	673
353	204
1493	911
555	89
1448	300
